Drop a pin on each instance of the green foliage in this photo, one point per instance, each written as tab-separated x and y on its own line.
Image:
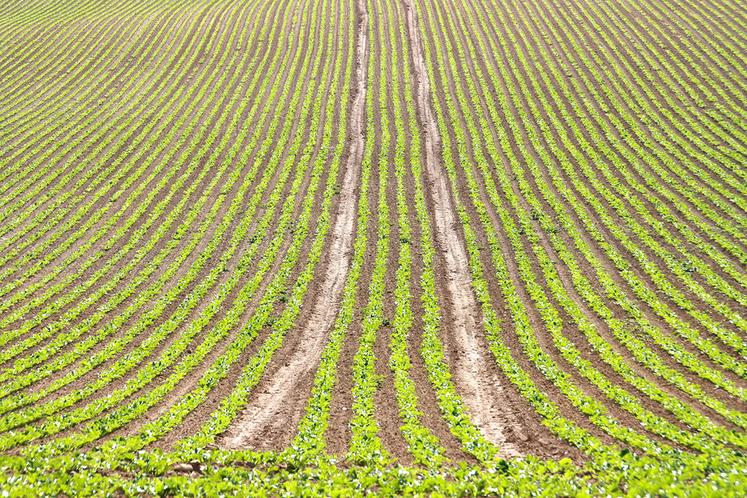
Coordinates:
159	241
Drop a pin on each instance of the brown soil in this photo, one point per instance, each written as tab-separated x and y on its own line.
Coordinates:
275	407
481	390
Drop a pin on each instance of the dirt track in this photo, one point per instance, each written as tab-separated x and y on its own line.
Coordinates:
275	409
481	393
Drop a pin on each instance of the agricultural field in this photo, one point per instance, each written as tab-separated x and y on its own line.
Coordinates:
403	247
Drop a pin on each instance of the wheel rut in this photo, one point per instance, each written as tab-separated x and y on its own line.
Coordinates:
275	409
481	391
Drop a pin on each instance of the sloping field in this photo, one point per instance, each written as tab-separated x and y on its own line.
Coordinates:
471	247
